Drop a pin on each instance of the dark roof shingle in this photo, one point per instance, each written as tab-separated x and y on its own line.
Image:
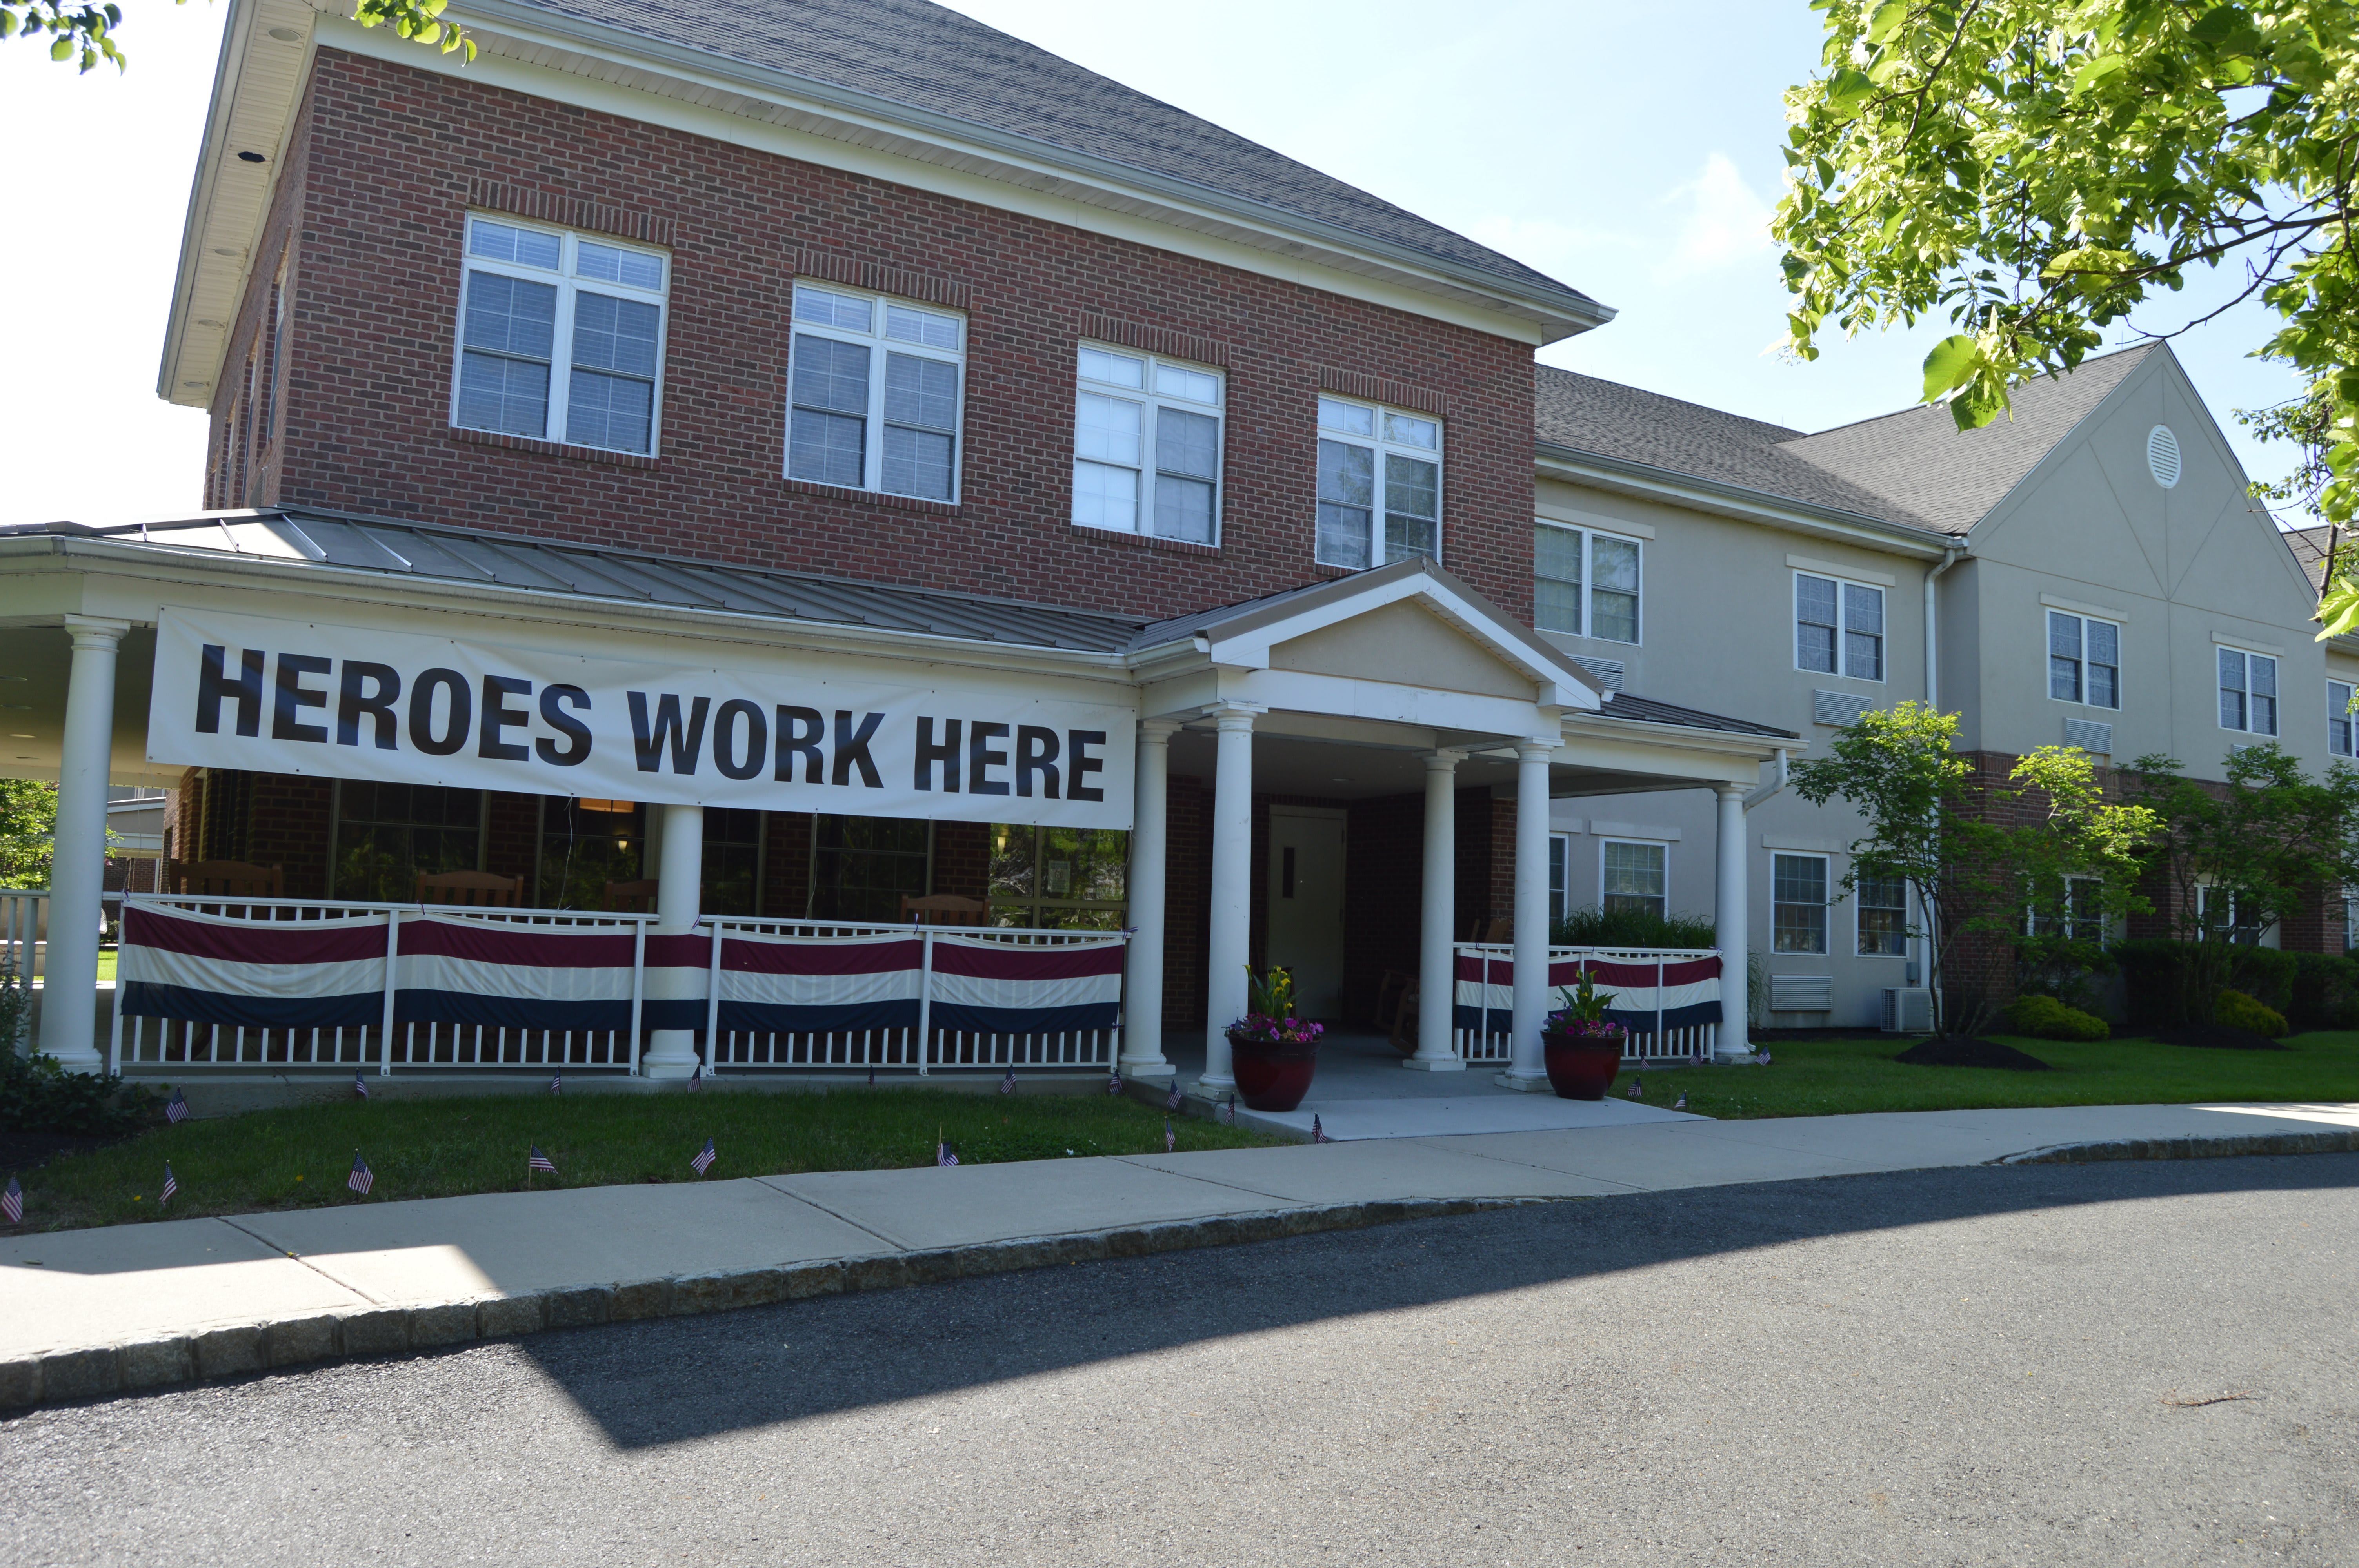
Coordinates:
929	58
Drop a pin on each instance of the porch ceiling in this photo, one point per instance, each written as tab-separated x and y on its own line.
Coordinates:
1359	769
33	662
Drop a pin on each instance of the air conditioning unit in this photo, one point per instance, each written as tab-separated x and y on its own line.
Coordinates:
1801	993
1907	1010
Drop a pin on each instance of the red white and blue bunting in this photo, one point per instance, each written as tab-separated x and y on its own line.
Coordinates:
1689	992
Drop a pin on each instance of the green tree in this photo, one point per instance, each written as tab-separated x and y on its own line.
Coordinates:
2035	170
1982	859
2238	858
86	33
29	831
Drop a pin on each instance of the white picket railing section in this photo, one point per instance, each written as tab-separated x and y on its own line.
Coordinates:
900	1047
386	1044
1659	1046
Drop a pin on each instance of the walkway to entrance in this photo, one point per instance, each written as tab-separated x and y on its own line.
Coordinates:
1361	1092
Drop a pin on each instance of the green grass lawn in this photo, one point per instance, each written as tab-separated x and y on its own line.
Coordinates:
1830	1077
299	1157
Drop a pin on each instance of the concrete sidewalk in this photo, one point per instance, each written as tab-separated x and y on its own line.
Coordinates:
94	1312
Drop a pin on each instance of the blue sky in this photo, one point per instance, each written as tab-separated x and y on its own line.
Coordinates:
1575	136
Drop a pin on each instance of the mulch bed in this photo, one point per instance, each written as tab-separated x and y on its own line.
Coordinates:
2216	1037
1969	1050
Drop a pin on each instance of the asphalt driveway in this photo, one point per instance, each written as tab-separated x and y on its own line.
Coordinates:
2123	1363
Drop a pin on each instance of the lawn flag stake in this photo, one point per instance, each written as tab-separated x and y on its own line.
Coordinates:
12	1203
925	1000
1658	1006
638	984
385	1025
713	1008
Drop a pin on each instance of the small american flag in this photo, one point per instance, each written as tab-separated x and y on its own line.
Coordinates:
359	1085
1170	1138
1319	1132
696	1078
177	1108
1114	1083
1007	1083
12	1203
945	1155
557	1082
704	1157
1171	1101
1229	1111
363	1178
537	1160
872	1074
171	1185
1680	1103
1639	1089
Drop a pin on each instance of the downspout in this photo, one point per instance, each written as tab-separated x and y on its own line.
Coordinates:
1924	965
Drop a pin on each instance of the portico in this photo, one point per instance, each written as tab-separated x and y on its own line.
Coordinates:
1379	724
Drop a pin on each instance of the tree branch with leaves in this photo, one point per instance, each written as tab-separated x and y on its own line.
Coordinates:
2035	171
85	34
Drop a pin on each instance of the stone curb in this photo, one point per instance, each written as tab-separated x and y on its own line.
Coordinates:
247	1348
2339	1141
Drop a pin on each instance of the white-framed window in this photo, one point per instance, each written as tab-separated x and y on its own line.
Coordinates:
1633	877
1380	485
2248	692
561	337
1559	878
2220	909
1798	903
2084	660
1838	627
2339	733
1585	583
1881	912
2084	917
874	391
1146	446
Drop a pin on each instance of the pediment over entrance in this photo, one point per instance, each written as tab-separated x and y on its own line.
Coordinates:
1404	642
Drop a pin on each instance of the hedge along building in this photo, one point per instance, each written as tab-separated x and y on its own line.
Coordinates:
875	458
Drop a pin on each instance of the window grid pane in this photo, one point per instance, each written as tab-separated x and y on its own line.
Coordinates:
1814	624
1347	494
2338	717
1556	579
1799	908
1633	877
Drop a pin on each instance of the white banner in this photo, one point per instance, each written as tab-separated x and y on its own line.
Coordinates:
289	696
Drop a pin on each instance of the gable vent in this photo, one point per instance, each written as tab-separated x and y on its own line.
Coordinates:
2162	456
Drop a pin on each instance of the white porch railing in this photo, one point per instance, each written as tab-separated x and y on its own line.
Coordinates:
743	994
1652	986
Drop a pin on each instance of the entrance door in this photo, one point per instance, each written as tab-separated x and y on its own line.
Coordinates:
1306	905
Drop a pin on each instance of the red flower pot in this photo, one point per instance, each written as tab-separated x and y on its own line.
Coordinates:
1272	1075
1581	1066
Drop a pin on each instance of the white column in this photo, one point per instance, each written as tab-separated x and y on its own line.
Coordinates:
1142	986
1731	911
1437	941
1232	913
78	864
1527	1068
680	875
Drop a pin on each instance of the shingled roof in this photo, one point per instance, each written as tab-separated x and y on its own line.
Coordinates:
1914	468
929	58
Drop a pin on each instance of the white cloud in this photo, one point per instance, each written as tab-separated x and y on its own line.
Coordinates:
1725	223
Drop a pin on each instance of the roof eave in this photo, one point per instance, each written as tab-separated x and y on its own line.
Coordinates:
1651	483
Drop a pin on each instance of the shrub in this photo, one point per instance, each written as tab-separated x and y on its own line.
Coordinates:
2044	1018
39	1096
2234	1010
1595	927
2325	993
2155	969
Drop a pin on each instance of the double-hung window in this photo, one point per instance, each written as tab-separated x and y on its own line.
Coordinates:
561	337
1883	912
1380	485
2248	692
1798	903
2338	717
1584	584
1633	879
2084	660
874	395
1838	627
1146	447
1559	878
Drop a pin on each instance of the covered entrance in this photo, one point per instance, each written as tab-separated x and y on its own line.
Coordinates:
1337	778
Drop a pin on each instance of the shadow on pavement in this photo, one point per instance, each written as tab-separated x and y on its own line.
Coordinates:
674	1379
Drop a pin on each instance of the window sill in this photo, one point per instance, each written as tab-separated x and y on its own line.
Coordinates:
872	498
551	448
1155	542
